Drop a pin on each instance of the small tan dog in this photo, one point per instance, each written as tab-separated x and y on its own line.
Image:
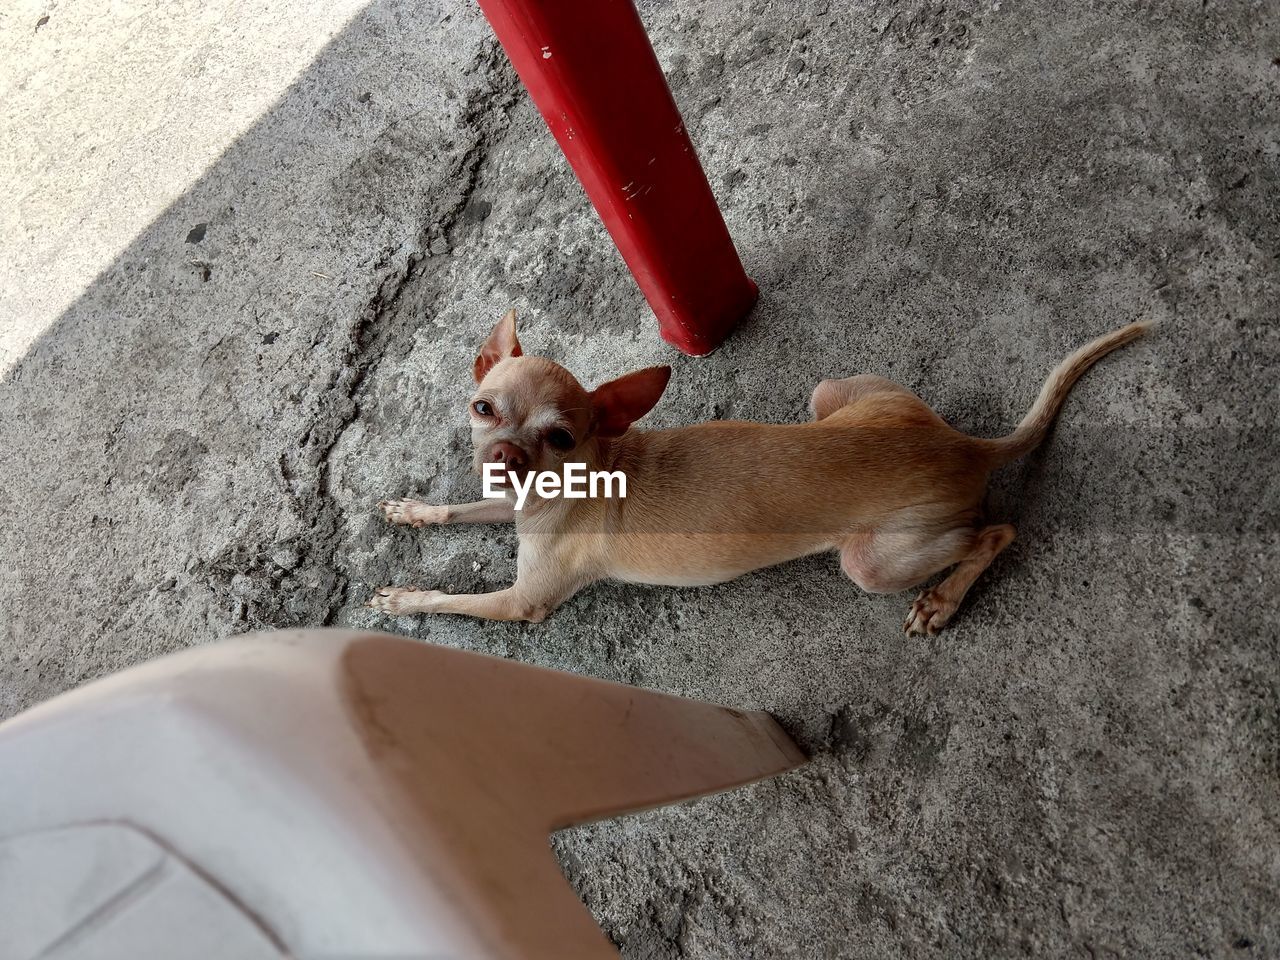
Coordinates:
876	475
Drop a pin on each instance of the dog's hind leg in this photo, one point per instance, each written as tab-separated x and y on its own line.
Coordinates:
935	606
895	560
830	395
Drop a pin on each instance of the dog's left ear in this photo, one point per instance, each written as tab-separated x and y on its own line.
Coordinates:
620	403
502	343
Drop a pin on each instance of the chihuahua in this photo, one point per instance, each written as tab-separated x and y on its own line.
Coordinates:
876	476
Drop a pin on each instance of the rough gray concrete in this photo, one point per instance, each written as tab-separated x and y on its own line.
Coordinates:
1086	764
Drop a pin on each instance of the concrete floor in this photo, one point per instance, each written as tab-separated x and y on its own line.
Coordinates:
248	260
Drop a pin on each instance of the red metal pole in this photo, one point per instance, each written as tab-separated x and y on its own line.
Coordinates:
591	72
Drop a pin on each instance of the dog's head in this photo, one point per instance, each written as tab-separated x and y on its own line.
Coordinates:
531	414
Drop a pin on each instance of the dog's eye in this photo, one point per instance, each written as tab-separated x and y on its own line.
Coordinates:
483	408
560	439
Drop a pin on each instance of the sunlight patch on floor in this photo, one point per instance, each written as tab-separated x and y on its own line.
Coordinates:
110	112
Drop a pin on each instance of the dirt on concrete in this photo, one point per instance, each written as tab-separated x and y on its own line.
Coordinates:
1086	763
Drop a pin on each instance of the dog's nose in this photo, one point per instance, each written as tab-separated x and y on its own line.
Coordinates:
509	455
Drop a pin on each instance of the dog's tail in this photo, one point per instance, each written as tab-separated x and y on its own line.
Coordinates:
1031	431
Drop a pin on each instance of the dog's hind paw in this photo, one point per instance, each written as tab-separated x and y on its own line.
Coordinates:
413	513
929	614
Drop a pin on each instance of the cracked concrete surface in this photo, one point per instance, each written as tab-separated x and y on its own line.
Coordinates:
1086	763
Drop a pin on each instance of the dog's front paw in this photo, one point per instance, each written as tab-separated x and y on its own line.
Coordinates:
413	513
402	600
929	614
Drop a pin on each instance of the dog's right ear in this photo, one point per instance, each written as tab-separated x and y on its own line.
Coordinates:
502	343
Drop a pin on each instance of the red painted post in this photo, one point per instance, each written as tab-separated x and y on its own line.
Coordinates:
591	72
